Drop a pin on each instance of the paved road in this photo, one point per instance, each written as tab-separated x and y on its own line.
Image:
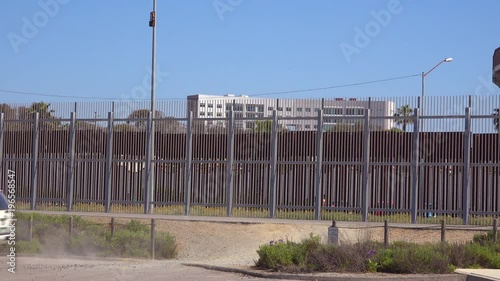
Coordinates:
60	269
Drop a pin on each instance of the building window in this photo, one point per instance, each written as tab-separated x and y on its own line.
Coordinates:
354	111
202	113
316	109
308	109
299	109
202	104
238	107
219	114
210	114
288	109
210	105
333	111
219	106
280	108
308	126
260	108
270	108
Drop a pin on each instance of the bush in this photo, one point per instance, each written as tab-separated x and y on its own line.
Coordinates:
166	246
27	247
345	258
288	255
413	258
483	239
400	257
51	235
484	256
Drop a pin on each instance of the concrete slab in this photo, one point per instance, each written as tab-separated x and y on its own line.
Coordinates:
480	274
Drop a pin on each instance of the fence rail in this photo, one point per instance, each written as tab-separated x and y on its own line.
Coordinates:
346	169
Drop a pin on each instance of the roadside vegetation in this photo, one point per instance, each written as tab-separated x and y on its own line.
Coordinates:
51	236
311	255
249	212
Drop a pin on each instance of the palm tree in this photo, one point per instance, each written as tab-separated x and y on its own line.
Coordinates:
496	112
43	110
401	114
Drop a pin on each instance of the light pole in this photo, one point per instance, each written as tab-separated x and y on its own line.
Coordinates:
152	23
424	74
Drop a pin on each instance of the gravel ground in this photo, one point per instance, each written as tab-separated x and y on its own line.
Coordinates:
212	243
236	243
72	269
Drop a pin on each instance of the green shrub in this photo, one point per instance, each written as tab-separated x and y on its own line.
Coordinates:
483	238
413	258
345	258
51	234
400	257
483	256
27	247
136	226
165	246
126	243
277	256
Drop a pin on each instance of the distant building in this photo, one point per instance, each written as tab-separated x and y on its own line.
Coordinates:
496	67
213	107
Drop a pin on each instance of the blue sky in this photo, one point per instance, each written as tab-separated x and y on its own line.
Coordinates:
96	48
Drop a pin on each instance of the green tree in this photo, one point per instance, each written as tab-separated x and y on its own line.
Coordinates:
169	125
43	110
143	114
124	128
263	126
8	111
403	112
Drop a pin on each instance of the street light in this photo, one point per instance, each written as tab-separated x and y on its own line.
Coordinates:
150	184
424	74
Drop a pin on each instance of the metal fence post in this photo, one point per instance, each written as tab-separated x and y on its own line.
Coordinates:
109	161
466	169
2	128
189	151
148	179
229	172
415	165
71	161
153	238
319	166
34	160
274	166
366	166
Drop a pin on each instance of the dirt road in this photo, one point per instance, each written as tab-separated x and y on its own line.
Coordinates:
61	269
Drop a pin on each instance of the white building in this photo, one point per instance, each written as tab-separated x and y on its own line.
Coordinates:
348	111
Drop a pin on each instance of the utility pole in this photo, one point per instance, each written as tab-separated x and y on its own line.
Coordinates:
152	23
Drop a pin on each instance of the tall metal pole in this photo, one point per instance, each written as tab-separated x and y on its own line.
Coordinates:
424	74
152	23
422	102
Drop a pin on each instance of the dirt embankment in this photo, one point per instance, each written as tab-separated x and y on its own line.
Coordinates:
236	243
